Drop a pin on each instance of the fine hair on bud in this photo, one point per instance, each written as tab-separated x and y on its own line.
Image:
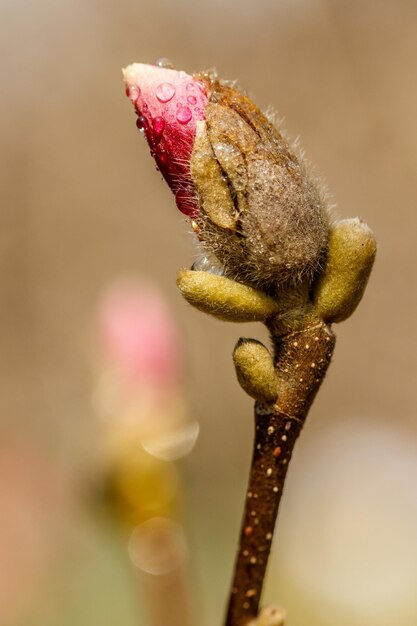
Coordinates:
261	214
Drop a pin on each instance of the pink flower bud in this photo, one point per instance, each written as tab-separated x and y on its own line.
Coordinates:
169	104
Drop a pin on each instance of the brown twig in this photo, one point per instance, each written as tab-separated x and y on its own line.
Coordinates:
301	360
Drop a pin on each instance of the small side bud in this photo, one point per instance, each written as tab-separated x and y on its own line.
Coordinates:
351	254
255	370
224	298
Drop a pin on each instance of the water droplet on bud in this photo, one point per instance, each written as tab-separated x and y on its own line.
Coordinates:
211	74
165	92
165	63
205	264
184	115
158	125
192	100
133	92
140	123
163	157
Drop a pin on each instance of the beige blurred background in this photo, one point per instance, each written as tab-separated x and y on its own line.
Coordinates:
82	205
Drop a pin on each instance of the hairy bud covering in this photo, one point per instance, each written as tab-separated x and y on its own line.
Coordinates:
273	226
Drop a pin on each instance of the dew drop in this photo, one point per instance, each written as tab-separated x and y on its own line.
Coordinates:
158	125
141	123
165	63
192	100
184	115
165	92
204	264
133	92
211	74
190	86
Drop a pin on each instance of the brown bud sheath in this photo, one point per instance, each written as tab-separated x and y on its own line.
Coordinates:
273	226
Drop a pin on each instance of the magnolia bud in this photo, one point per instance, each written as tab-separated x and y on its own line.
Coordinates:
253	205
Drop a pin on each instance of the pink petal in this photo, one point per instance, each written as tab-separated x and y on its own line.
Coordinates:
169	104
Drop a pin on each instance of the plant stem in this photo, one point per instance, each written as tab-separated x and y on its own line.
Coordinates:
301	360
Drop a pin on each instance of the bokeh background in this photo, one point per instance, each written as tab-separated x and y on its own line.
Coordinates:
82	205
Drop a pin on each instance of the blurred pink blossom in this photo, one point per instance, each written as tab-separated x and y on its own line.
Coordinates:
138	335
139	393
